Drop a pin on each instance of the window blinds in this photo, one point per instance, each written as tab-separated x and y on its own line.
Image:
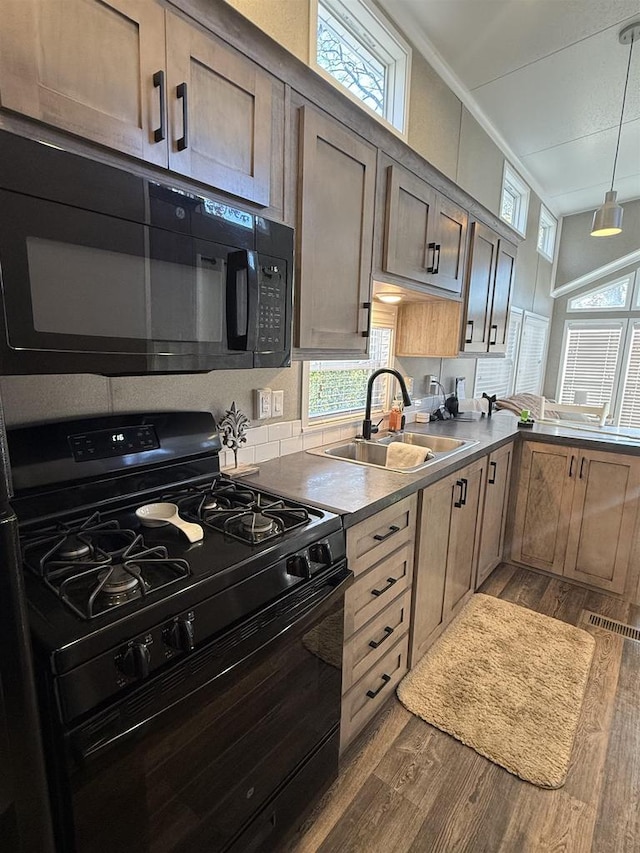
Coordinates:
533	342
591	356
495	375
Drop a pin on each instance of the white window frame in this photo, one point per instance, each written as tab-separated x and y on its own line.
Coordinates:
547	233
597	310
513	184
373	30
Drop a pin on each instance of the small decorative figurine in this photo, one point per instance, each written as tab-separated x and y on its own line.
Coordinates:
234	428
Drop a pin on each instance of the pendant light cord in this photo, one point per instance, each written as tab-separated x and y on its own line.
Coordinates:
624	98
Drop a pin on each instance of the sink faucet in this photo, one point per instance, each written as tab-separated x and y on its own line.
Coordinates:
367	427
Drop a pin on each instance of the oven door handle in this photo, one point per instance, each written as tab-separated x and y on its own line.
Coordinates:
87	745
242	300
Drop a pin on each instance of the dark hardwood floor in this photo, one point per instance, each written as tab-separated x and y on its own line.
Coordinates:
406	786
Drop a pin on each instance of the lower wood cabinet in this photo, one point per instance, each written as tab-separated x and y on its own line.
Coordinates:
450	514
576	513
494	516
380	551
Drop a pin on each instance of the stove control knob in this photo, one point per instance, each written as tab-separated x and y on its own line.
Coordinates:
321	553
299	566
135	661
180	635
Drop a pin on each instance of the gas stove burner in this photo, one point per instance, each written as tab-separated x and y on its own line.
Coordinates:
119	579
256	522
209	503
74	548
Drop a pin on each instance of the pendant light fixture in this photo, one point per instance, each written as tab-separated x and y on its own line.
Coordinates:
607	220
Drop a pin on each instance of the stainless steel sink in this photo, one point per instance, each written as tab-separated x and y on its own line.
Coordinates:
374	452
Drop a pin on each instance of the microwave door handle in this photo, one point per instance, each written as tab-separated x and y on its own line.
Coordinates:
242	300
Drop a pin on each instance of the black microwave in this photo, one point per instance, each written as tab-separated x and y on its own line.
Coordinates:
103	271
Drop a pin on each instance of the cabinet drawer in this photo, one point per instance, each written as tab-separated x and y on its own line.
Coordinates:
375	537
374	590
363	700
371	642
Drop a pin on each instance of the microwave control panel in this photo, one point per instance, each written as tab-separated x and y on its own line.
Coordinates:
272	289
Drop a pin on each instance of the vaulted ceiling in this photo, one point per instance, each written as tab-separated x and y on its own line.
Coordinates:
548	76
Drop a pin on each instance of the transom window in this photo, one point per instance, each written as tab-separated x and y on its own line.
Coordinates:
547	230
358	48
514	205
614	296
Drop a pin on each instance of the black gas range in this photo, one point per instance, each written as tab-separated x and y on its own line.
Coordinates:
134	625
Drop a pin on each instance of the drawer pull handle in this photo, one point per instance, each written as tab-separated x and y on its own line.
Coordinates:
387	633
460	502
573	459
469	340
380	537
492	478
373	693
390	583
582	461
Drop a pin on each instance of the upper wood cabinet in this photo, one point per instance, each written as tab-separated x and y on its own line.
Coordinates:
490	272
220	114
576	513
336	184
128	75
87	67
425	233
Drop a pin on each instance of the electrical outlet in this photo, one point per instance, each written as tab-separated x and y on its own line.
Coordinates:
277	404
262	402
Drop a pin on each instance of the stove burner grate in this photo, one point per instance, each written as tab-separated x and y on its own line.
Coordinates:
94	566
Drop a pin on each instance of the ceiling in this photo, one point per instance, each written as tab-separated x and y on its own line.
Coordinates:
548	76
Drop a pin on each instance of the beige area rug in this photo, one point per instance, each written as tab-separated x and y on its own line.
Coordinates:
507	682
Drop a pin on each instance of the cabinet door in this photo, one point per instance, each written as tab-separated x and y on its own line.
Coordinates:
480	275
409	245
495	512
545	491
502	285
220	114
446	552
87	66
450	224
603	517
466	517
432	546
336	183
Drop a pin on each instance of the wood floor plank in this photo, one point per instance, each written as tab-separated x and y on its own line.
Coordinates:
548	822
525	588
618	820
562	601
607	605
379	821
498	579
356	766
586	771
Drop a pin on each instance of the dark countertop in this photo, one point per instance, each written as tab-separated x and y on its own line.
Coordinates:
357	491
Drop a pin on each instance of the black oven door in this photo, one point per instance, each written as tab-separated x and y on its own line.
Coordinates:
87	292
226	749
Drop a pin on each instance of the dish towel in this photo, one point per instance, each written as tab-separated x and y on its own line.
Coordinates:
400	455
473	405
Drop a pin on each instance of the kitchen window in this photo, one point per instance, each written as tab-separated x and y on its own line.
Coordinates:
614	296
532	354
336	390
355	47
497	375
514	204
547	231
